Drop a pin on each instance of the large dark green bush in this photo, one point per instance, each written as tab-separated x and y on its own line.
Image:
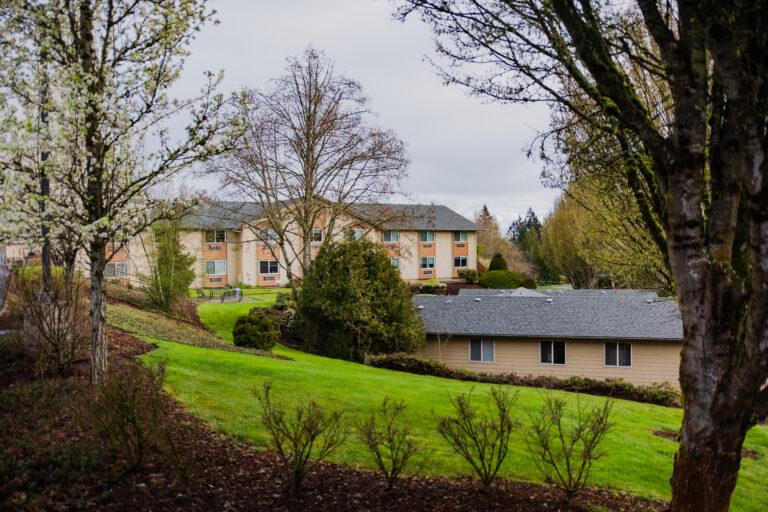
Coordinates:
660	394
498	262
256	330
468	276
353	303
501	279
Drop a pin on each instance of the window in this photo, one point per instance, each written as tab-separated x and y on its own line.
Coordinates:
267	235
460	261
215	236
552	352
618	354
391	236
355	234
216	268
268	267
459	236
426	236
317	235
395	262
427	262
116	271
480	351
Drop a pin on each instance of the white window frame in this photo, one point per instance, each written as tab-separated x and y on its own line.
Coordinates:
117	273
394	236
354	234
395	262
314	232
215	238
466	261
269	264
482	341
421	262
552	352
215	267
618	359
426	236
459	236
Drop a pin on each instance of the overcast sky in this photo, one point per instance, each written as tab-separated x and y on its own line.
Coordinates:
464	152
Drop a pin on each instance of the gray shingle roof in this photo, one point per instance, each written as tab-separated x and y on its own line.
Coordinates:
489	292
414	217
221	215
574	317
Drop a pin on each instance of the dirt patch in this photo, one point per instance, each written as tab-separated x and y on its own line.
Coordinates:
666	434
673	436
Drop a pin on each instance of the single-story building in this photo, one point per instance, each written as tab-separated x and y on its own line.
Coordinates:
634	335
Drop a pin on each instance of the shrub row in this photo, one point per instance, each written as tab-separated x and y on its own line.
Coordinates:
659	394
432	287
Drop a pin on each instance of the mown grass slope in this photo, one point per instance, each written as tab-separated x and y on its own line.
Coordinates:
217	386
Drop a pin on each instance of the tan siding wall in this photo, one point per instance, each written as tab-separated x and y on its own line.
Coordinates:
651	362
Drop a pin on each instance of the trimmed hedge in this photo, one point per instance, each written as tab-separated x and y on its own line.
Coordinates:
432	287
504	279
468	276
256	330
659	394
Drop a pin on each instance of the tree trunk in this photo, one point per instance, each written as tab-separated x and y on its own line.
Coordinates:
706	467
98	312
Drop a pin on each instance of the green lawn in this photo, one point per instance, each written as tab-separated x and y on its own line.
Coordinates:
247	292
217	386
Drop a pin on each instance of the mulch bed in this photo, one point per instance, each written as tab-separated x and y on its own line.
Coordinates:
673	436
229	476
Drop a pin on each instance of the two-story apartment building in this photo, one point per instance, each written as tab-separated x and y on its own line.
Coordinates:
233	244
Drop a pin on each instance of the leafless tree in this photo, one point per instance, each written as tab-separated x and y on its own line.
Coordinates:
308	155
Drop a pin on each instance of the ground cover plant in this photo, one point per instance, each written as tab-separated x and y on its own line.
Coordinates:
152	325
218	390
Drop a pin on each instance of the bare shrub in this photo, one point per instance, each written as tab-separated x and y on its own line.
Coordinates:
564	450
481	439
304	438
128	414
388	440
57	323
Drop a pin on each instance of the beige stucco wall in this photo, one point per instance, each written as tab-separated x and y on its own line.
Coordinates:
651	361
444	254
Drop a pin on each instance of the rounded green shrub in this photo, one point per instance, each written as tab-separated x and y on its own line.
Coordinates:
468	276
497	262
529	283
501	279
256	330
432	287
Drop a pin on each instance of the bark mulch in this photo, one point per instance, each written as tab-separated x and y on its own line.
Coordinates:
224	475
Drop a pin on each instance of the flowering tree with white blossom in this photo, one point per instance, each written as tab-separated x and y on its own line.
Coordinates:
100	71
